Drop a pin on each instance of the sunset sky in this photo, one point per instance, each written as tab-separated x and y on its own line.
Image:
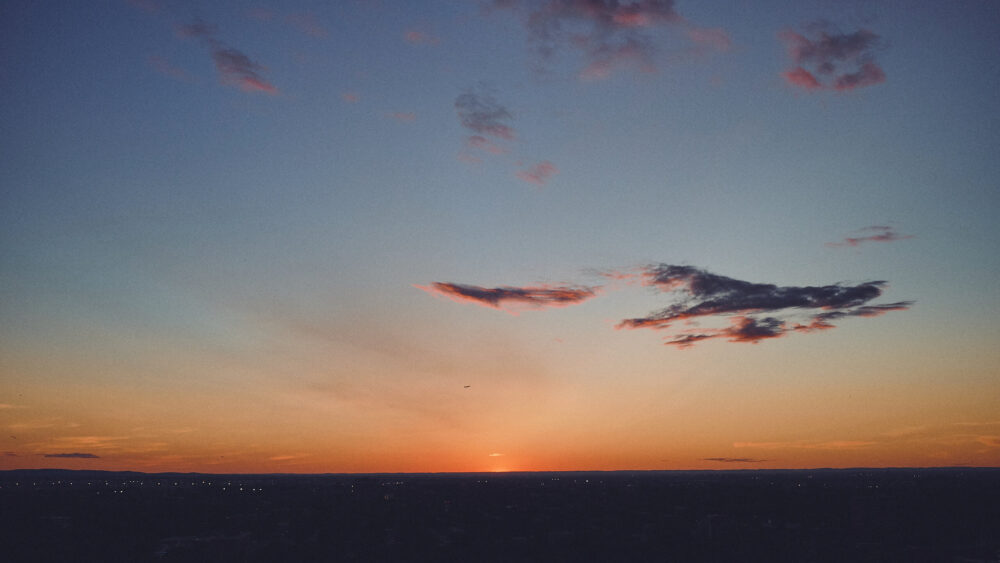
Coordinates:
381	236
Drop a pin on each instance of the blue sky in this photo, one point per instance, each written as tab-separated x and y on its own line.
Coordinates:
171	223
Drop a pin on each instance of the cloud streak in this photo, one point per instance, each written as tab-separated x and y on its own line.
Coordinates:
75	455
881	233
532	297
754	308
734	459
826	59
234	67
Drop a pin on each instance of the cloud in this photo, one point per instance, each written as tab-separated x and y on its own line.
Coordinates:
74	455
234	67
307	23
808	445
496	455
484	144
882	233
350	97
405	116
755	311
539	173
827	59
989	441
4	406
420	38
608	33
165	68
533	297
704	294
481	114
734	459
10	454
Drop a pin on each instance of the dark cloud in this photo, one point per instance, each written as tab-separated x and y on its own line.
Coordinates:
75	455
754	311
705	294
10	454
609	33
881	233
536	297
827	59
734	459
479	112
233	66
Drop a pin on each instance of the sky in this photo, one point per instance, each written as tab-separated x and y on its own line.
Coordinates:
499	235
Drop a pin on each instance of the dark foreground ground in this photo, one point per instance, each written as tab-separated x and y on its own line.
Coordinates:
816	515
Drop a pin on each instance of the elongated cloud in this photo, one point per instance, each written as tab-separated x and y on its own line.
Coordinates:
880	233
234	67
755	309
609	33
539	173
532	297
827	59
75	455
734	459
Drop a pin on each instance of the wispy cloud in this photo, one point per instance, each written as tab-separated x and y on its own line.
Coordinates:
704	294
532	297
824	58
879	233
4	406
166	68
496	455
479	112
418	37
808	445
734	459
609	34
350	97
404	116
307	24
234	67
75	455
539	173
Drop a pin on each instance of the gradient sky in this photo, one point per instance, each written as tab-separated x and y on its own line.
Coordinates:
375	236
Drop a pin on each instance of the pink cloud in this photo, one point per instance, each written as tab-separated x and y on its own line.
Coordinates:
828	59
420	38
234	67
539	173
882	234
869	75
609	34
482	143
802	78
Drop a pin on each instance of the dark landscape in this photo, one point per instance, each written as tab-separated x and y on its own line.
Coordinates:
947	514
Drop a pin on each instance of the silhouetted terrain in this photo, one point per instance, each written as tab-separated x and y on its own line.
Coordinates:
810	515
